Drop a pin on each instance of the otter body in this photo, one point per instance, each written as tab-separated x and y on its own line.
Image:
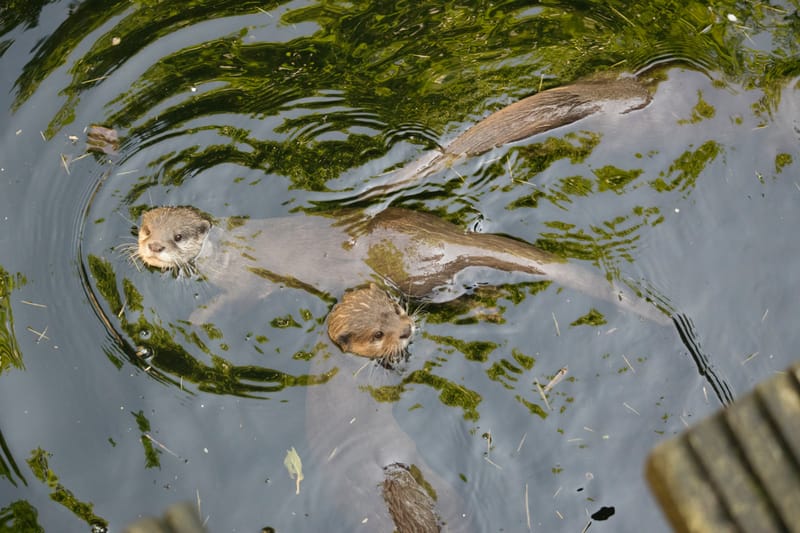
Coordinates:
358	447
418	253
539	113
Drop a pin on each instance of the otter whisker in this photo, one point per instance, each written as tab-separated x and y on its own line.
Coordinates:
130	251
125	218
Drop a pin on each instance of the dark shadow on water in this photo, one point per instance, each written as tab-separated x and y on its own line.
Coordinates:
689	338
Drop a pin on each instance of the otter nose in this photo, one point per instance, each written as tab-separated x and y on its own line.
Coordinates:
406	333
156	247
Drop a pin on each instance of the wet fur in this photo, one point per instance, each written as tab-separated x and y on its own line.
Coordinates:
367	322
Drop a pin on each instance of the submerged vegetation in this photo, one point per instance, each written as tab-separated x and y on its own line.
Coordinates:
278	96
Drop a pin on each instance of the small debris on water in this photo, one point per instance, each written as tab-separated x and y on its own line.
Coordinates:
630	408
65	163
497	466
521	442
542	394
294	465
100	139
562	372
629	364
527	508
603	514
41	334
33	304
750	357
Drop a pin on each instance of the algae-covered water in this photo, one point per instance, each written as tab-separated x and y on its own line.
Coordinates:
113	405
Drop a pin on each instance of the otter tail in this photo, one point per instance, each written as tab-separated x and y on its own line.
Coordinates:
628	295
426	165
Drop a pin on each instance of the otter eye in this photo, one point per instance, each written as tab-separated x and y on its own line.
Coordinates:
378	335
178	237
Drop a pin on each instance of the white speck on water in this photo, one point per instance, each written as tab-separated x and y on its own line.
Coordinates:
732	17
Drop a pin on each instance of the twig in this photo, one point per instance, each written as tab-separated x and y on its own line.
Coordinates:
41	334
629	364
750	357
162	446
630	408
492	463
556	379
521	442
542	394
65	163
527	508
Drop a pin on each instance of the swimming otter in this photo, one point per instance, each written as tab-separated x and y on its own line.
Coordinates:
348	430
369	459
367	322
416	252
541	112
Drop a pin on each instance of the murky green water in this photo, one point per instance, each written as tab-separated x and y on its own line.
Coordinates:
113	405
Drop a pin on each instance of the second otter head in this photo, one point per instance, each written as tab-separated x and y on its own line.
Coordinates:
171	237
367	322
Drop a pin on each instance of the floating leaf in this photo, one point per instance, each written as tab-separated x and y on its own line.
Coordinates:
294	465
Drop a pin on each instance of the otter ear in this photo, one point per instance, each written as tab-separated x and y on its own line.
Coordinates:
203	226
343	341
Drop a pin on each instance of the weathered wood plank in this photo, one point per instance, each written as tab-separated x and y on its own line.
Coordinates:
739	470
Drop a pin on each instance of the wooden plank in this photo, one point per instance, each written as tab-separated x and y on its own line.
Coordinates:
765	452
739	470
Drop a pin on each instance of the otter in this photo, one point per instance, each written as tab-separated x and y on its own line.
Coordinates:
367	322
387	482
539	113
419	253
347	428
416	252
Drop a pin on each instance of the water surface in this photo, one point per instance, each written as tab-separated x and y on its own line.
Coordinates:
253	109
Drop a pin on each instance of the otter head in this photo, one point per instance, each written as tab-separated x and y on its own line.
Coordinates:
171	237
367	322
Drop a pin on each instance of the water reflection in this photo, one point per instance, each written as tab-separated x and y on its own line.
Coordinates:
39	465
250	106
166	359
8	466
20	515
10	355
